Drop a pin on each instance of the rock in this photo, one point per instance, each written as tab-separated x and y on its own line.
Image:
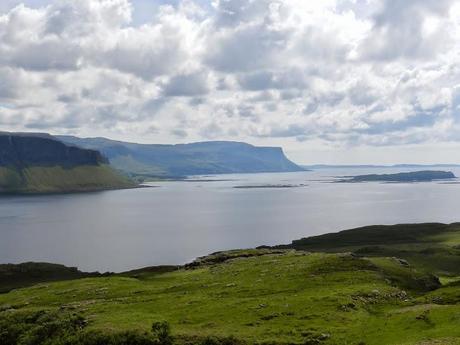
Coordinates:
324	336
402	262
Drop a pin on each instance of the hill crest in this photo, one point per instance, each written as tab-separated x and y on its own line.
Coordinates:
198	158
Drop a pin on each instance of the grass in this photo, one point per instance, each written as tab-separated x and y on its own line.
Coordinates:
274	298
270	296
431	247
57	179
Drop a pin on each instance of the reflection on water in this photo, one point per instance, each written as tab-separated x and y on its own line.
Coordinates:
179	221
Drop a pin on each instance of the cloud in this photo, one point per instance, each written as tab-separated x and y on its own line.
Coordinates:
194	84
311	73
285	79
409	29
180	133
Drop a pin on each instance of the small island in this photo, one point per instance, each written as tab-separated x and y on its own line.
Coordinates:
414	176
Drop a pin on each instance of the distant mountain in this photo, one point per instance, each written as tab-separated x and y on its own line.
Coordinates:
40	163
214	157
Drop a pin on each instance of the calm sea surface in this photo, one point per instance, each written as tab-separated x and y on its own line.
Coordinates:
178	221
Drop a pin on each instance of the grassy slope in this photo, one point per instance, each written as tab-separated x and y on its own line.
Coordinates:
277	296
57	179
432	247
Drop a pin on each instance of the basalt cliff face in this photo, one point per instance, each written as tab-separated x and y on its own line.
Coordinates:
23	150
39	163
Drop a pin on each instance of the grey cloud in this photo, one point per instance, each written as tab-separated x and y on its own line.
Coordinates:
317	44
292	130
68	98
257	81
271	106
393	11
332	98
180	133
247	111
456	103
38	51
143	59
212	130
262	96
8	84
362	94
398	30
311	106
60	19
152	106
68	35
415	121
290	79
290	94
248	48
235	12
187	85
196	101
47	55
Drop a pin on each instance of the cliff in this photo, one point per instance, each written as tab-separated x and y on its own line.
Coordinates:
39	163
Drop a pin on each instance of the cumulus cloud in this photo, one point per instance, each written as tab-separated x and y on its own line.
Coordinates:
194	84
311	73
410	29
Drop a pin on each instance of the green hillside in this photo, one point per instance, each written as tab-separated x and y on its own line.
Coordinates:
39	163
432	247
257	296
58	179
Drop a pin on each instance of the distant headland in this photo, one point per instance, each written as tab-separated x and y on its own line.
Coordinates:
413	176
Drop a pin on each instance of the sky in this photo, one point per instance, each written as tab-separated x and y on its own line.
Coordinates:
331	81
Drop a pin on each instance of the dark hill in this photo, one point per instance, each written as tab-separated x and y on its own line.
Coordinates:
39	163
29	273
214	157
22	150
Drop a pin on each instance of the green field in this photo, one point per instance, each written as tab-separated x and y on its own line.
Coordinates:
260	296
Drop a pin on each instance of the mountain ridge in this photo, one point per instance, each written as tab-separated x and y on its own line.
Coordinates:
178	160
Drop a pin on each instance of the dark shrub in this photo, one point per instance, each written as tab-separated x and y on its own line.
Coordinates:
222	341
99	338
63	328
162	332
